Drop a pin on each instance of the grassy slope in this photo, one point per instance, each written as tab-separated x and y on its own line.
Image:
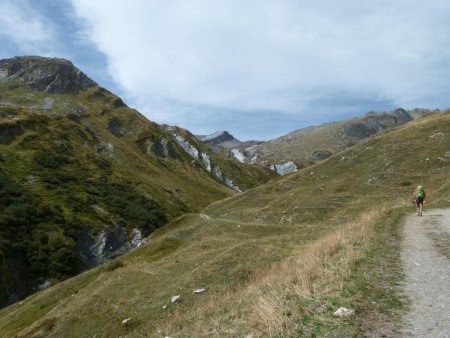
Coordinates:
91	188
276	260
149	173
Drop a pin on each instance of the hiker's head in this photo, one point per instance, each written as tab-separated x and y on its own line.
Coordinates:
419	187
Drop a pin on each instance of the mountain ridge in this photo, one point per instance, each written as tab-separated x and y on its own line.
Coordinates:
309	145
88	178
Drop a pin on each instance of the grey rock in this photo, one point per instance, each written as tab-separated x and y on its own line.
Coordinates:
137	240
46	284
343	312
285	168
160	146
51	75
359	130
105	148
115	127
319	155
438	136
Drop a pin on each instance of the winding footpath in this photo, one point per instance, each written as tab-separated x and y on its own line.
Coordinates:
426	257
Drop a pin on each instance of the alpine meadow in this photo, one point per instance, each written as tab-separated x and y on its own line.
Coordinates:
233	250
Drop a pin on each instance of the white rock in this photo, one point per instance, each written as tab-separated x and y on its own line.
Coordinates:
197	291
165	306
285	168
175	298
126	321
137	239
344	312
238	155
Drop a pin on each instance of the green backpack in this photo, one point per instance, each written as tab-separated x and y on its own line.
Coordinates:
419	192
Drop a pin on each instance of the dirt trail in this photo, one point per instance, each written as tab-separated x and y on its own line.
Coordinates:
426	258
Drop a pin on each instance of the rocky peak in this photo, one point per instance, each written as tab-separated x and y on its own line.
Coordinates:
51	75
218	137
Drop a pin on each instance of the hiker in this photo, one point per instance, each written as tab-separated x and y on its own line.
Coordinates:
419	198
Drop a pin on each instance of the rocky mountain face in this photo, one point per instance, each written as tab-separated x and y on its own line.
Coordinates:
224	140
310	145
46	75
84	178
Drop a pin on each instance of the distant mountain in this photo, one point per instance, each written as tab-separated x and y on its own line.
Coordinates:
84	178
224	140
310	145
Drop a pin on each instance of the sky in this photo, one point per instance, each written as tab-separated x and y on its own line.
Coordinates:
259	69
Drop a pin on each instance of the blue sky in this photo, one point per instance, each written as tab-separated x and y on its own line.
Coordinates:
258	69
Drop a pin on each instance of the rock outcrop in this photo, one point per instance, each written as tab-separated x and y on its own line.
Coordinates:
49	75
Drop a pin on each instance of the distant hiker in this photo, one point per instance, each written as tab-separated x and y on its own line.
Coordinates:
418	199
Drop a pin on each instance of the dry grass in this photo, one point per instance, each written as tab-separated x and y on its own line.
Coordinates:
319	269
274	300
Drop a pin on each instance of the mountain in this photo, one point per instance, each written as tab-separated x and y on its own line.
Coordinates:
310	145
307	146
223	139
276	260
85	178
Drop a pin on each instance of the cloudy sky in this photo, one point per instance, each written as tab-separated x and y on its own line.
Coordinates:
259	69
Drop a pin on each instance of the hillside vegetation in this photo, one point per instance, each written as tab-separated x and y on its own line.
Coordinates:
276	260
84	178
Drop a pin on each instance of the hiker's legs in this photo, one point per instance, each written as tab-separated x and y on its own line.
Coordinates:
419	204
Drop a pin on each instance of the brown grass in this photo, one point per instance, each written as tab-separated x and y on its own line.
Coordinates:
272	303
318	269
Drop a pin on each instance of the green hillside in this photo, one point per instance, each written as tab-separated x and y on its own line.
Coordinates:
276	260
85	178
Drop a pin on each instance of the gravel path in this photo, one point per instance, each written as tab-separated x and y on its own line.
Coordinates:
425	255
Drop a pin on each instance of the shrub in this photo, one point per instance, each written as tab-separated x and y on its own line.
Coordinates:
48	159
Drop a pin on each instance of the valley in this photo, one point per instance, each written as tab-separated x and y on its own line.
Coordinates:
275	260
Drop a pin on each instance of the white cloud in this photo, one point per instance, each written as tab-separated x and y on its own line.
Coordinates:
20	23
274	55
